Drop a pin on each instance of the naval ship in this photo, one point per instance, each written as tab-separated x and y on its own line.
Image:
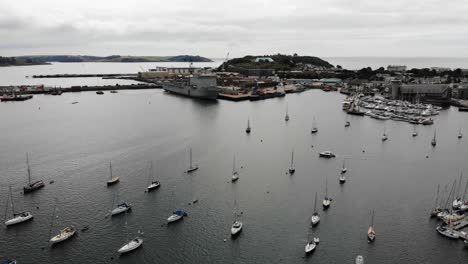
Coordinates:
201	86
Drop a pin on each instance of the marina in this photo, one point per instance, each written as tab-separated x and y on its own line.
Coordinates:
263	192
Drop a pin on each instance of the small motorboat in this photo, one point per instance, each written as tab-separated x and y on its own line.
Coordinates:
359	259
130	246
65	234
415	134
236	227
153	186
74	102
347	124
314	130
310	247
176	215
448	232
121	208
327	154
316	240
19	218
99	92
371	231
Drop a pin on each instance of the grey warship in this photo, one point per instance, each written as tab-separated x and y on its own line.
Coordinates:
201	86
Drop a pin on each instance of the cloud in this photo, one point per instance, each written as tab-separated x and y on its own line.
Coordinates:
212	28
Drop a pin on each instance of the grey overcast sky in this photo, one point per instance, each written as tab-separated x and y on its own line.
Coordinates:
211	28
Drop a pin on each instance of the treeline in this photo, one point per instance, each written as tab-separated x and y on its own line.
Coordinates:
7	60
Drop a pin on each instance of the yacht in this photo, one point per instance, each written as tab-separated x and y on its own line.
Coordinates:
236	227
64	234
130	246
291	167
448	232
371	231
176	215
235	174
191	166
112	179
18	217
315	219
154	183
359	259
310	247
327	154
327	200
121	208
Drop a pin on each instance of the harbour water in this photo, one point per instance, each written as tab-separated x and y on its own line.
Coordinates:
72	145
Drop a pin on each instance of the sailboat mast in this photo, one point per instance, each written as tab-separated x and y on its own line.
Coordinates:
248	123
234	164
326	187
437	197
458	194
372	221
464	193
292	158
29	169
53	219
190	157
110	168
11	201
315	203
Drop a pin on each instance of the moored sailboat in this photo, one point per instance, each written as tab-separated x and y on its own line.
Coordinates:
133	244
192	167
64	234
286	117
326	200
248	129
315	219
154	183
384	135
314	127
112	179
371	231
18	217
235	174
434	141
31	186
291	167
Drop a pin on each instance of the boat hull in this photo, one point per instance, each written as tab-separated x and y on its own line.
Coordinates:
153	187
64	235
119	210
18	220
113	181
132	245
235	230
33	187
310	247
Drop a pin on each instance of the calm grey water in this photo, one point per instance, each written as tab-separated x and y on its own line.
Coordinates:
72	145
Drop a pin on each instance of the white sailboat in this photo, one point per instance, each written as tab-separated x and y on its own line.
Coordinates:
326	200
18	217
291	167
371	231
64	234
154	183
177	214
315	219
133	244
314	126
192	167
121	207
237	225
434	141
112	179
235	174
359	259
310	246
460	135
248	129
